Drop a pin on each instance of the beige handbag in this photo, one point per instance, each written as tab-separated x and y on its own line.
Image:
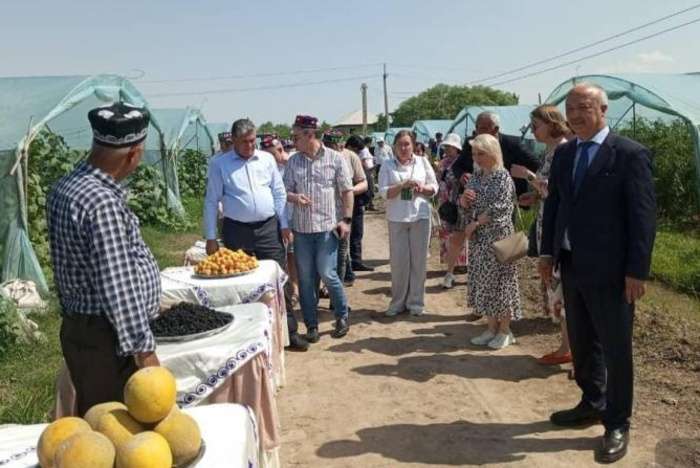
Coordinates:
514	247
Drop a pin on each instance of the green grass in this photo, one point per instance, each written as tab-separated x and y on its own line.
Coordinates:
29	371
676	259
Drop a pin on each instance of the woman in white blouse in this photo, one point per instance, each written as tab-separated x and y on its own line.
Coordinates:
407	182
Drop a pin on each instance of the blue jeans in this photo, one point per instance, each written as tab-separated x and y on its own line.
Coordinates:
316	256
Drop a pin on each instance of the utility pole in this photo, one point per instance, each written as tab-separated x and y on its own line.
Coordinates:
364	108
386	100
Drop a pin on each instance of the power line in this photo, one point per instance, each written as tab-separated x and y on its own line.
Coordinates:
260	88
588	46
260	75
571	62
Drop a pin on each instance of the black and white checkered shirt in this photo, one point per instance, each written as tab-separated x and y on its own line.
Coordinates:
101	264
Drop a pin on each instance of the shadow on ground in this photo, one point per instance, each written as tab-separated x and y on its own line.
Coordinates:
508	368
461	443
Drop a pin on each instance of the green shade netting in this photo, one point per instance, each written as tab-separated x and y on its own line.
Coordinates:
27	106
390	134
648	95
182	129
514	119
215	129
426	129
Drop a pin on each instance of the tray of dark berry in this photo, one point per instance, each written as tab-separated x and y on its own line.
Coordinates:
186	322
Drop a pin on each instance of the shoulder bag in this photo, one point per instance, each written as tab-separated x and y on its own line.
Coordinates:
513	247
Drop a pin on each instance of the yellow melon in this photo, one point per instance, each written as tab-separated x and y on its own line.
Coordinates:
54	435
150	394
94	414
146	450
119	426
85	450
183	435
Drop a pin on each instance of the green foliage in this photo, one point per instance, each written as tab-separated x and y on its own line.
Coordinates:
281	130
380	126
147	198
49	160
671	261
10	329
192	173
444	102
673	157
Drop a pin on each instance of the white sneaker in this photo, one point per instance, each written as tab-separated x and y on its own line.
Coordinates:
448	281
484	338
501	340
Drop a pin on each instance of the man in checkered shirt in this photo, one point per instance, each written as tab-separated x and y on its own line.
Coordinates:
107	280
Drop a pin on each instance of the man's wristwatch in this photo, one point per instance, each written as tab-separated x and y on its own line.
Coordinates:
347	220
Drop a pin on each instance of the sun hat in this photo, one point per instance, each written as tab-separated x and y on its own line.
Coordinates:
452	139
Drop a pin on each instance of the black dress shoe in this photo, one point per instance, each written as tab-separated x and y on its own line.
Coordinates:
614	445
581	415
312	335
297	343
341	328
362	267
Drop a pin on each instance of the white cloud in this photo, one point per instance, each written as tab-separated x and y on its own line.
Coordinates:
655	61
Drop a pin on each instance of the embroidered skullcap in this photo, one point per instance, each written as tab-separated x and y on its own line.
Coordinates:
306	122
225	138
269	140
119	125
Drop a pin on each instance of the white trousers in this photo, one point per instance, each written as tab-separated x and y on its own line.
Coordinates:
408	249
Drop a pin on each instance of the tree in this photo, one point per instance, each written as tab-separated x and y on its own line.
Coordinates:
381	123
281	130
444	102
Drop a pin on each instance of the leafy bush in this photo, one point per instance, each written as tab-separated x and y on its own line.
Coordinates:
147	198
10	328
192	173
49	160
673	158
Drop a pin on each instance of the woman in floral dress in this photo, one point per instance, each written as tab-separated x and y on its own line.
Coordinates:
449	191
492	287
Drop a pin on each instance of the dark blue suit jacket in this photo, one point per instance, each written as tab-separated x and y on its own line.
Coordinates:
612	219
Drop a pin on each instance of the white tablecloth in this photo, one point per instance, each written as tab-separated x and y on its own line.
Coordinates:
229	431
179	285
265	285
232	366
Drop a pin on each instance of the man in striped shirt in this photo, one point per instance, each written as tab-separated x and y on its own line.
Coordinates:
312	177
107	280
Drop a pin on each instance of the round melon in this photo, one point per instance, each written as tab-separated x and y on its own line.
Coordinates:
183	436
54	435
94	414
119	426
145	450
150	394
85	450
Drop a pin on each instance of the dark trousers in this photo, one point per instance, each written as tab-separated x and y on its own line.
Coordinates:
264	240
369	174
599	321
89	346
356	233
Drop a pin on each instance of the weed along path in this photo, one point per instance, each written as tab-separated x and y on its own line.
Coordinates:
414	392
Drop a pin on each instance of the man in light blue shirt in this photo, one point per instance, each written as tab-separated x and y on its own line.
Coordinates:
248	184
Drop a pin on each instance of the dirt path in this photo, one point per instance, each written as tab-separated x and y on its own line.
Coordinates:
414	392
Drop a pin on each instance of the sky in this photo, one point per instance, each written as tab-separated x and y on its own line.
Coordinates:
272	60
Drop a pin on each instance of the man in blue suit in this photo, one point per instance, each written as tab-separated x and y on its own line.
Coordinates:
598	228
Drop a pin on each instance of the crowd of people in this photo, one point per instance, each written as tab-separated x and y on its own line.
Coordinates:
301	204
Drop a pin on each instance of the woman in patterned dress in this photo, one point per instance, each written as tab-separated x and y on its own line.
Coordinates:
453	248
549	127
492	287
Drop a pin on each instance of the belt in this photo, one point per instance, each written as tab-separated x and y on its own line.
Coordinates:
253	224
